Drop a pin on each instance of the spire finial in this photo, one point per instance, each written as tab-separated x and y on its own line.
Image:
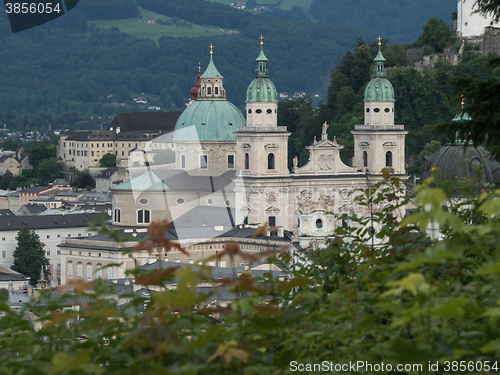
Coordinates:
199	67
211	51
261	40
462	103
379	40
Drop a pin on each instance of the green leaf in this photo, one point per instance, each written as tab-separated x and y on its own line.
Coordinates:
63	361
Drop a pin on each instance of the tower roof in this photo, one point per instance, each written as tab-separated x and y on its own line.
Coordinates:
261	89
211	71
379	88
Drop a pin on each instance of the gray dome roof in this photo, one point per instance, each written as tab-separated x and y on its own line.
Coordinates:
456	162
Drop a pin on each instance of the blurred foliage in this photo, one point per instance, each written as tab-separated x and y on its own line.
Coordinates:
393	294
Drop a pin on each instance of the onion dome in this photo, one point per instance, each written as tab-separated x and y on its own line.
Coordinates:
211	117
379	88
261	89
194	91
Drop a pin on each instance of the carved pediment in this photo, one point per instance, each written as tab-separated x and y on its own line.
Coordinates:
231	149
245	209
389	144
272	210
245	146
364	144
271	146
182	149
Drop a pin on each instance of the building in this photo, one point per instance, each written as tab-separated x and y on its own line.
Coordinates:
51	229
469	23
81	150
226	161
232	175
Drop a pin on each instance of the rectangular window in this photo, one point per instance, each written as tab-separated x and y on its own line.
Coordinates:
69	234
48	252
4	254
70	270
123	153
91	145
110	273
203	161
78	153
140	216
183	161
89	272
79	271
272	226
147	216
223	263
211	264
230	162
3	238
91	153
191	260
58	236
97	145
99	273
58	252
48	235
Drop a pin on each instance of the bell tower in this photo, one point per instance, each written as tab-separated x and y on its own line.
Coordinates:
262	145
379	143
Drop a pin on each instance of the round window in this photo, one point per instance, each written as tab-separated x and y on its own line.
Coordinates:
180	200
367	110
269	111
249	111
319	223
143	201
376	110
387	110
258	111
228	202
209	201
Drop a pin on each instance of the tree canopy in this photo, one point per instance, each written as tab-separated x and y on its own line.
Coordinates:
108	160
29	256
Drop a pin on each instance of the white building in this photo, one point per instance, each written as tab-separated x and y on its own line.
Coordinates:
470	24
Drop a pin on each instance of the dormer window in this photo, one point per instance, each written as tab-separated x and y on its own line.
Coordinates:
209	91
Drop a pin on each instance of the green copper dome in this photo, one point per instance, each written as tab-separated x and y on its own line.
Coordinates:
211	71
379	88
261	89
208	120
457	161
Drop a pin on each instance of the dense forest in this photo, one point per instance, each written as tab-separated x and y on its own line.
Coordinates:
65	66
398	20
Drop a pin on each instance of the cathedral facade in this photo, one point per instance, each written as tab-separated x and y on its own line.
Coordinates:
240	165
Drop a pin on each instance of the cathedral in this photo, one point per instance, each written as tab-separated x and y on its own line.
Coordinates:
235	166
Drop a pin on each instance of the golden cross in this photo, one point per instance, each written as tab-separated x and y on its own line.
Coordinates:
379	39
261	42
211	46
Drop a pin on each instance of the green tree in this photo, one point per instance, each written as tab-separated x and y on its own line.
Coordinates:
166	156
430	148
29	256
37	155
436	33
7	178
108	160
360	72
49	170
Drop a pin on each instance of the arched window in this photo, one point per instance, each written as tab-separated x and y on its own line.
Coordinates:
117	215
388	159
270	161
143	217
247	161
365	159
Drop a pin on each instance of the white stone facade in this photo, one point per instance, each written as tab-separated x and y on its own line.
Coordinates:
471	24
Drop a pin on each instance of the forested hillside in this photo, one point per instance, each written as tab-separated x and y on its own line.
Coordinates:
64	66
398	20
